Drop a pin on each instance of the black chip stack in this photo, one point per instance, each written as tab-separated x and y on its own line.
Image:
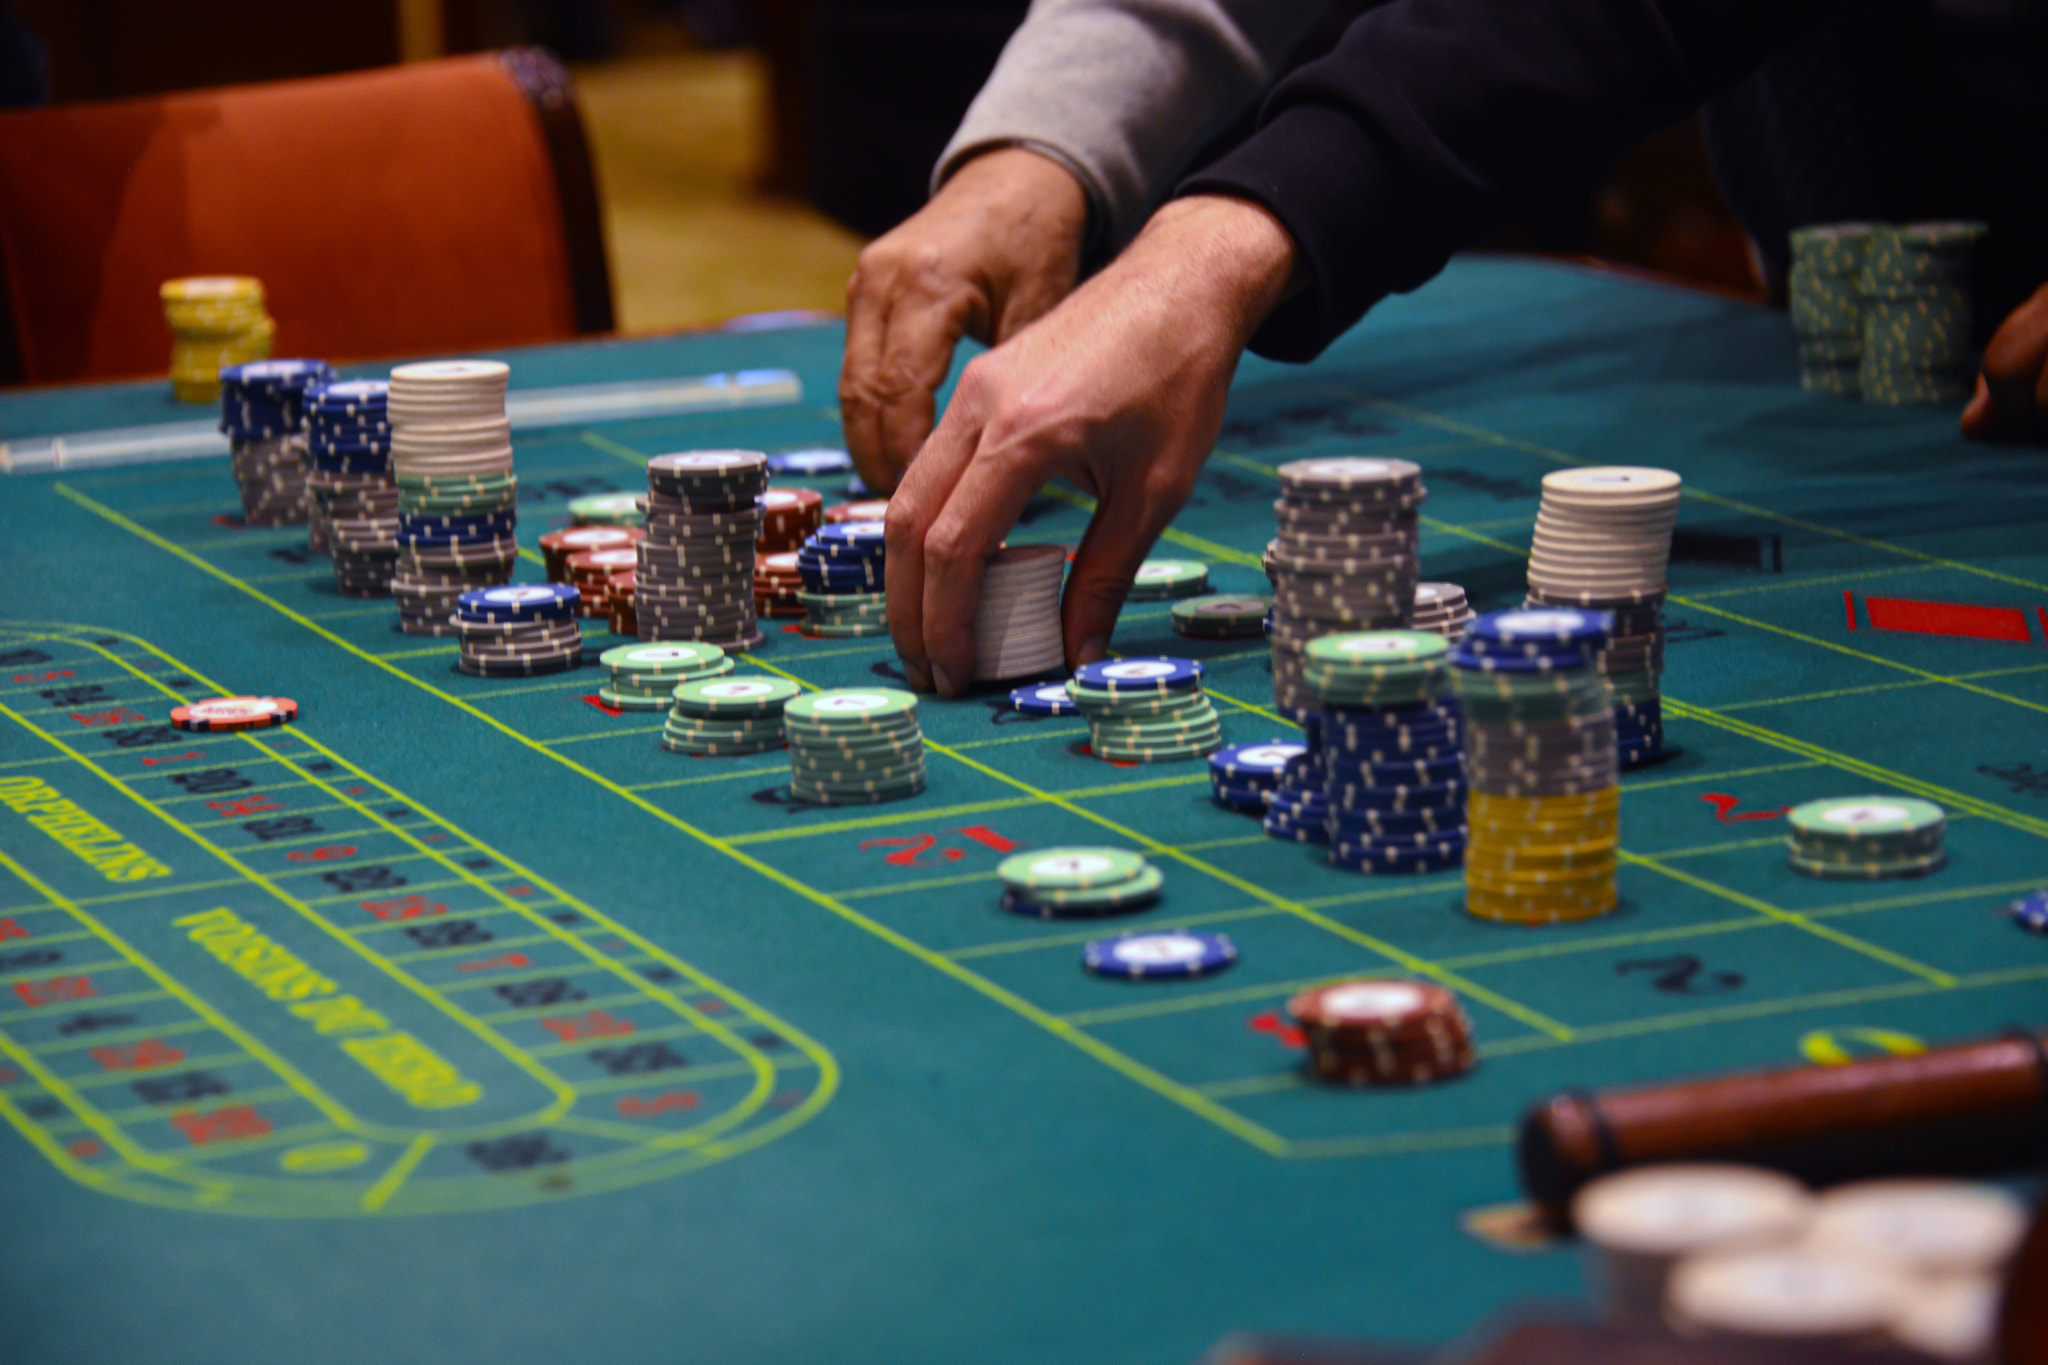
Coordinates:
1825	289
696	567
355	501
262	412
1916	314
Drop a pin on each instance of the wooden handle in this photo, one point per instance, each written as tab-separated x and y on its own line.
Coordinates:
1953	1111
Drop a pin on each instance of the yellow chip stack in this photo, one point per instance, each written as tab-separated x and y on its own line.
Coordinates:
215	321
1543	859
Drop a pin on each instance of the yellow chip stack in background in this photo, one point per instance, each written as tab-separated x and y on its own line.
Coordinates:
215	321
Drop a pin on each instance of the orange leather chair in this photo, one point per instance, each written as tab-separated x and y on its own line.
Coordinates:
438	207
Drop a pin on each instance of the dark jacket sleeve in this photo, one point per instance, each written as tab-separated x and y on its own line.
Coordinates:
1431	117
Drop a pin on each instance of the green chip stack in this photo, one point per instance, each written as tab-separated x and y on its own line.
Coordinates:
1862	838
645	676
1916	314
722	717
1075	883
845	615
1222	616
1146	710
1160	580
854	746
1826	289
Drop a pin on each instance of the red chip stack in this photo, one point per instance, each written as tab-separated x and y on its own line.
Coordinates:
603	577
557	546
778	585
1384	1032
874	509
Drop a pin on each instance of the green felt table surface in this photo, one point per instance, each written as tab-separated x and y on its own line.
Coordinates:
465	1024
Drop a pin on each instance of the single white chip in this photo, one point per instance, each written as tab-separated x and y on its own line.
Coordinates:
1786	1294
1933	1227
1372	1000
1677	1209
1952	1319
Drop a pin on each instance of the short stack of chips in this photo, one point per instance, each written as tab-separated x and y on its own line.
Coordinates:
234	713
1222	616
1603	542
1044	699
216	321
1146	710
1161	955
724	717
451	447
1441	609
843	567
645	676
1917	314
1344	559
1298	807
607	509
557	546
355	501
262	410
1825	293
788	516
778	585
1866	837
1159	580
1545	806
1017	624
1078	883
1390	751
607	578
868	509
696	572
516	631
854	746
1242	777
1383	1032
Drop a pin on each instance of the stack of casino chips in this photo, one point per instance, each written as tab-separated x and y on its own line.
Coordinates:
1146	710
1858	838
854	746
1391	759
645	676
1298	807
1540	760
788	516
1160	580
1344	559
451	447
1825	293
843	567
1043	699
1017	623
1603	543
606	578
262	410
607	509
1222	616
216	321
868	509
1383	1032
696	567
1917	315
1441	609
778	585
355	502
1243	777
557	546
518	630
723	717
1078	883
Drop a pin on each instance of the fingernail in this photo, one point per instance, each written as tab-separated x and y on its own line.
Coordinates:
945	684
1094	649
920	681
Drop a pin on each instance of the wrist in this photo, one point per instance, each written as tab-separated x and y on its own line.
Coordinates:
1230	254
1015	174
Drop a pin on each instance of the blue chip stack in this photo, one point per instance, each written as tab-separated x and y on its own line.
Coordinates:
519	630
1390	746
1298	808
262	412
355	501
843	571
1243	776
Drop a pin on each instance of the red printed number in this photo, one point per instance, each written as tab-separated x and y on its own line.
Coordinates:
1724	809
910	849
596	1024
9	929
248	805
321	855
146	1055
123	716
407	907
57	990
229	1123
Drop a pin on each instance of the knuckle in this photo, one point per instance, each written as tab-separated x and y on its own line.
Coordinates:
949	546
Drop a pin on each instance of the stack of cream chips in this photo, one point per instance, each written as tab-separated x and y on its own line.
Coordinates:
1344	559
696	574
1859	838
854	746
1441	609
645	676
1017	625
1603	542
721	717
1146	710
451	450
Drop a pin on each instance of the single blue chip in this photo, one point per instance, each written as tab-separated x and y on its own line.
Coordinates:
1540	626
1139	676
806	462
1255	761
2031	912
519	601
1044	699
277	376
1159	955
851	534
1559	660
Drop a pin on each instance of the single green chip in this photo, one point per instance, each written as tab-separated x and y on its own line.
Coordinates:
629	701
1143	887
1080	868
735	696
855	706
665	657
1157	578
1866	817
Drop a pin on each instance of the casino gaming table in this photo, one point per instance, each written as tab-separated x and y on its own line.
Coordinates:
547	1044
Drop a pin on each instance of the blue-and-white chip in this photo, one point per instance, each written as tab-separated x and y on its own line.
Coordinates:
519	602
1044	699
2031	912
1253	761
807	462
1159	955
1137	676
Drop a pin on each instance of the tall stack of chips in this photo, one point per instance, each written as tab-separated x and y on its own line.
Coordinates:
1017	624
1384	1032
726	717
1441	609
1860	838
854	746
451	447
645	676
1917	315
1344	559
216	321
1242	777
1159	580
355	501
1603	542
843	565
1545	808
1391	759
518	631
262	410
1146	710
695	579
1298	807
1825	289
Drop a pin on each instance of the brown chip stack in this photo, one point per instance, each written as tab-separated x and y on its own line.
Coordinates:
557	546
788	515
778	585
1384	1032
601	575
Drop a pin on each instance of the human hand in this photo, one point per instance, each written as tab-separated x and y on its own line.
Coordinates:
2012	390
1120	389
997	246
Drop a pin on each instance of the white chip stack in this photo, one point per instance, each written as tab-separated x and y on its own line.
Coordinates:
1017	625
451	451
